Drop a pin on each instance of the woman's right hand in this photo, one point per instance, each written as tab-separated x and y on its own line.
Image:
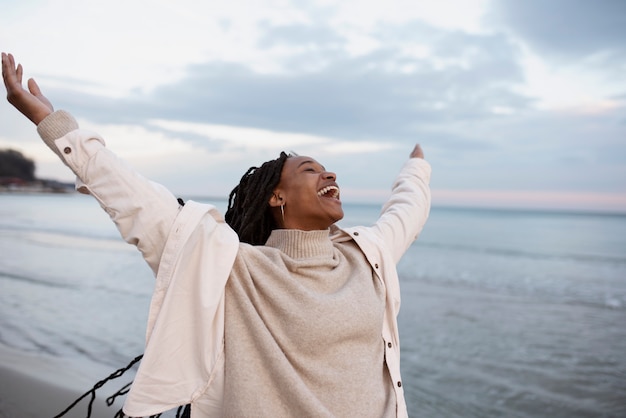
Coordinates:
31	103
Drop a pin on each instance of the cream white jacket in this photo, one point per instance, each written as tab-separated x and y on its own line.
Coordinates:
191	251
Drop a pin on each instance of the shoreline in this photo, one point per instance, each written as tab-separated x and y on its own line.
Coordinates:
35	385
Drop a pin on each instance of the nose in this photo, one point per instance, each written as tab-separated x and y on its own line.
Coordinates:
329	175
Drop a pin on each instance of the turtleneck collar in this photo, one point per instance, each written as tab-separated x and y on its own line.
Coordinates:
301	244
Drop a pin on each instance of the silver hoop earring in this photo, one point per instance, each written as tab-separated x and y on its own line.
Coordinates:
282	212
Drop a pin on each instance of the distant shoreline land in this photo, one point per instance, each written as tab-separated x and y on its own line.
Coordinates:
17	175
18	185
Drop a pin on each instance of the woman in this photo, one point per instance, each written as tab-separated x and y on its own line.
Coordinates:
274	311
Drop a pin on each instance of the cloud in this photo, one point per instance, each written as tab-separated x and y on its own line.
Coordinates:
568	29
529	98
541	151
299	36
252	139
457	96
389	94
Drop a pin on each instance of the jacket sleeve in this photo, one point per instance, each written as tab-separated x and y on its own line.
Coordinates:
143	211
405	213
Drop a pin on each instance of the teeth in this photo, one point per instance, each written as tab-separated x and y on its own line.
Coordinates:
327	189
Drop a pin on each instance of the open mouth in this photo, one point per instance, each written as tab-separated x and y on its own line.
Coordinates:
329	192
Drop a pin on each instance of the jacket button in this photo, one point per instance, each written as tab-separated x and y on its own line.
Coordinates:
356	233
67	150
399	384
376	265
389	345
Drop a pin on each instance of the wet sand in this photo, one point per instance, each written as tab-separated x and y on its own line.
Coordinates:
32	386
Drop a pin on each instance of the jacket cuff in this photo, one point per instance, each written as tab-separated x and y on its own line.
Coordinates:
55	126
422	167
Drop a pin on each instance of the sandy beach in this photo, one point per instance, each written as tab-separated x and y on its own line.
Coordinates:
33	386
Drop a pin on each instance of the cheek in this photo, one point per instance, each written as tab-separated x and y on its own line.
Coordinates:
301	191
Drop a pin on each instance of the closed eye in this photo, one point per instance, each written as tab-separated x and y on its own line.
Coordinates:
311	166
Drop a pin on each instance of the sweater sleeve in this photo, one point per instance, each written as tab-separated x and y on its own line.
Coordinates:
143	211
405	213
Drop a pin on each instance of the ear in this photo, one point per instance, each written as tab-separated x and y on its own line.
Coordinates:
276	199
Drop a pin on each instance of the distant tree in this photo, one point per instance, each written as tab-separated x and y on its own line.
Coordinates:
14	164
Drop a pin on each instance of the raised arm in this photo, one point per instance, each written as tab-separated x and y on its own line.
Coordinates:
405	213
142	210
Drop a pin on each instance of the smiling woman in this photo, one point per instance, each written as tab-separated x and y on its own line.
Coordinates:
274	311
259	203
312	194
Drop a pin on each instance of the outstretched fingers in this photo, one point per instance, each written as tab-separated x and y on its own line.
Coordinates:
31	103
11	76
6	66
9	72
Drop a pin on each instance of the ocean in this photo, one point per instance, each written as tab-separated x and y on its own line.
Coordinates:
504	313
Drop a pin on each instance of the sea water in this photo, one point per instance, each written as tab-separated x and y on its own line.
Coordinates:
504	313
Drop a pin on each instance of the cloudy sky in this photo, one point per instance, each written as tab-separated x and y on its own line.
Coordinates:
516	103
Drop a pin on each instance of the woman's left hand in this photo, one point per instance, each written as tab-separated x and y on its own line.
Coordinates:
417	152
31	103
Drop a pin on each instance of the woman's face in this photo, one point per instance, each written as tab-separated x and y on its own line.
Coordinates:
309	193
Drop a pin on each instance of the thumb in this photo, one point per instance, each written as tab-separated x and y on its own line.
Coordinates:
33	87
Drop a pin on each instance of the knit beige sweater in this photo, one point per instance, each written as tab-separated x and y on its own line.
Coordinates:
303	331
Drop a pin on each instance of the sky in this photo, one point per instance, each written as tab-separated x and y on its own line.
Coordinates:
517	104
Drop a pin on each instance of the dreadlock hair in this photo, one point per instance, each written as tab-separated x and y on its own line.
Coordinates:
248	210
